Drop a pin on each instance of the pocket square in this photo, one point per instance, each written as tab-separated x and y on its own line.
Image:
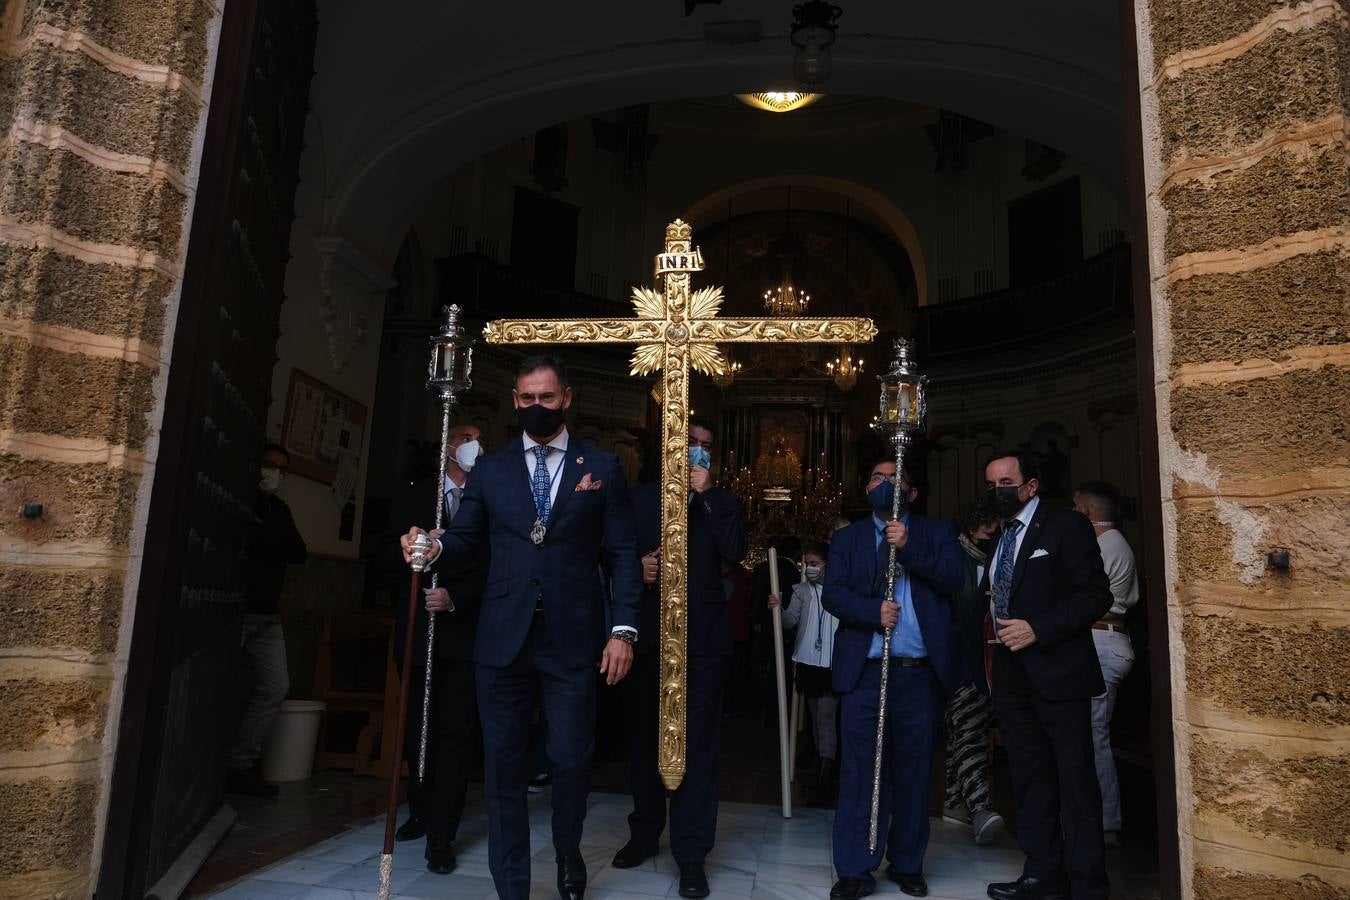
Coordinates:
1039	552
585	484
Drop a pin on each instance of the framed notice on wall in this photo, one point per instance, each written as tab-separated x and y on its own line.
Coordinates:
322	432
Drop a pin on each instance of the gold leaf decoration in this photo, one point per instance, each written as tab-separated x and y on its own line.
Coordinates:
707	359
647	359
705	302
648	304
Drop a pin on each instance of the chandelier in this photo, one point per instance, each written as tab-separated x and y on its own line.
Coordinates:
845	369
779	101
730	370
786	301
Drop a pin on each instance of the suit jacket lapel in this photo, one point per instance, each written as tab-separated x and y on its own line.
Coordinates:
569	477
1029	542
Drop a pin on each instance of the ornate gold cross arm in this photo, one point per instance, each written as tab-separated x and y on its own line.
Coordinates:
677	330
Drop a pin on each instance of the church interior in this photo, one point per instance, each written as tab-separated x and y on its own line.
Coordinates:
990	181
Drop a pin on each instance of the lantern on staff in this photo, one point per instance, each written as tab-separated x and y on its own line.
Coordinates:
451	358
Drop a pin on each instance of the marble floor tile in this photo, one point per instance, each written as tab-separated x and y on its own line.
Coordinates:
259	889
633	881
299	870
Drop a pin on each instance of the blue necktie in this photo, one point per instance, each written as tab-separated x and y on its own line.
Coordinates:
1003	567
541	483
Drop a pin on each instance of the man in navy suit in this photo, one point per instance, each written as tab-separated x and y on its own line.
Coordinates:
716	535
550	510
1046	588
923	665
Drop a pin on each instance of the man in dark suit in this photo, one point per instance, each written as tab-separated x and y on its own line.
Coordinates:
1046	587
716	535
548	508
437	805
923	665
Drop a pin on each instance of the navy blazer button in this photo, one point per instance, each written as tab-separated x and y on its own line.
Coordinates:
534	582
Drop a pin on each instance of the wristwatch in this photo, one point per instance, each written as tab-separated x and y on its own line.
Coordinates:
627	637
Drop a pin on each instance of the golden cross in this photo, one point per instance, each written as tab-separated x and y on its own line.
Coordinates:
674	331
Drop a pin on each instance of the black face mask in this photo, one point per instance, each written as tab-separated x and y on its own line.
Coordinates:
985	545
539	421
1005	501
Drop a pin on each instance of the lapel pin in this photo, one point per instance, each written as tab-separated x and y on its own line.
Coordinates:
581	460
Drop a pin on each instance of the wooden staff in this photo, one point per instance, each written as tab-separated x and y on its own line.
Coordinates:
777	614
421	545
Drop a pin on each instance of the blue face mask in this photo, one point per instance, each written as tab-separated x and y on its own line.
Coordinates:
698	456
882	498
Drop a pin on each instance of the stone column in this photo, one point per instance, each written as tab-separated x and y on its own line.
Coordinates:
1248	190
102	105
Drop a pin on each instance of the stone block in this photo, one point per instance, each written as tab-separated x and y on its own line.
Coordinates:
1213	883
106	108
1315	529
48	824
89	202
172	34
1287	79
1261	427
1282	193
51	288
64	610
38	715
1298	302
73	395
1294	672
1297	798
82	502
1190	25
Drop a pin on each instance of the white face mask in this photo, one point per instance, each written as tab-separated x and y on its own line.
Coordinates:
466	454
813	573
269	481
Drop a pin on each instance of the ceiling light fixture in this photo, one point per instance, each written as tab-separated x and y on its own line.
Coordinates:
813	34
779	101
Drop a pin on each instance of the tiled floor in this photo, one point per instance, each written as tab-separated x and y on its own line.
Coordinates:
758	856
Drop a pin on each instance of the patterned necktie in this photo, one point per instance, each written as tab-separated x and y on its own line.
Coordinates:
541	482
452	500
1003	568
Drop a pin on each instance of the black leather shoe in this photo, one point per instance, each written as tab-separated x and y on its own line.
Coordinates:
248	783
633	854
911	883
441	857
850	889
693	880
411	830
571	876
1026	888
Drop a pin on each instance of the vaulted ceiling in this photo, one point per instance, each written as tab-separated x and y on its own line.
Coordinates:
407	90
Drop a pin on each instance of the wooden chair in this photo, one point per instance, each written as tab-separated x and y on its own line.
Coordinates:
355	675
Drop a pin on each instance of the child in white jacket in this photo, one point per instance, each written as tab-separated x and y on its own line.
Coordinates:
815	647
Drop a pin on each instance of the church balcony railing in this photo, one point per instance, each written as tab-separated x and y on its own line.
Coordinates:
1096	293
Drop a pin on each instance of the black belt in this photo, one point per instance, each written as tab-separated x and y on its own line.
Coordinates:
907	661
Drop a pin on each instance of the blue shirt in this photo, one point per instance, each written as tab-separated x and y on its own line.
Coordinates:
906	638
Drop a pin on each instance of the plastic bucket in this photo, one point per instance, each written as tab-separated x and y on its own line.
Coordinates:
288	752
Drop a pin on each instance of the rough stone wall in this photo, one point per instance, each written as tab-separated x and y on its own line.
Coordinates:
1247	156
102	108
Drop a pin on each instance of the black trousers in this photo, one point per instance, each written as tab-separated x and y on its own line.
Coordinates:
452	745
507	697
693	805
1054	775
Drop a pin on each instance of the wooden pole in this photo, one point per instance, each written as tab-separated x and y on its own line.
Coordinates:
782	685
794	727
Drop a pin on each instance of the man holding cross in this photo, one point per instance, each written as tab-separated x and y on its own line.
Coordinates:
547	508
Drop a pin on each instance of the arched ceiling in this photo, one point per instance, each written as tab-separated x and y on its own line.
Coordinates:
407	90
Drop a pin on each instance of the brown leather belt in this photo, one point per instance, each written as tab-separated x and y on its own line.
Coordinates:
1117	627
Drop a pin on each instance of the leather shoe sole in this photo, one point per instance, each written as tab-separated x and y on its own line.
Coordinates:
630	856
914	885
